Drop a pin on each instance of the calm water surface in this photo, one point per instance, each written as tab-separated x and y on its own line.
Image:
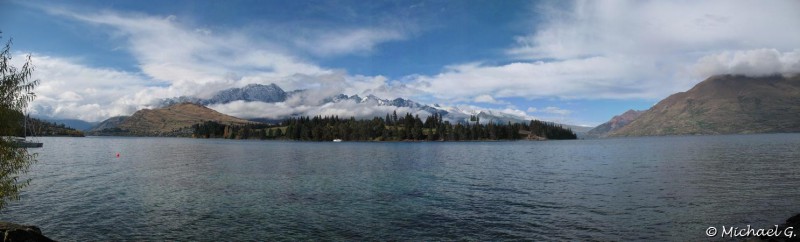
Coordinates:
663	188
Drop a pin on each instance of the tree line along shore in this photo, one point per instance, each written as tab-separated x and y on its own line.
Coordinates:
391	128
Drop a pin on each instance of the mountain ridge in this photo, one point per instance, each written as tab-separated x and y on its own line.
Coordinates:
173	120
614	124
724	104
252	92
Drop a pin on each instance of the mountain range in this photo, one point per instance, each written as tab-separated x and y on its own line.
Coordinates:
724	104
272	93
253	92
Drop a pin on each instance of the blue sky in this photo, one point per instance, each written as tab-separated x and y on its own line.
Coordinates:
576	62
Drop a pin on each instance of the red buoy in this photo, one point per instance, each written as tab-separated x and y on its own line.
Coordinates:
117	154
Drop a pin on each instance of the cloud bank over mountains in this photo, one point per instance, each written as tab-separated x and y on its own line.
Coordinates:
176	59
754	63
271	103
581	50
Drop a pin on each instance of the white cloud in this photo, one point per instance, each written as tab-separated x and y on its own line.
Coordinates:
759	62
591	28
172	51
176	58
555	110
71	90
599	77
515	112
631	49
346	41
556	114
549	110
487	99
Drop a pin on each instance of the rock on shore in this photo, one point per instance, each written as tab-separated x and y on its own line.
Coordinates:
14	232
793	222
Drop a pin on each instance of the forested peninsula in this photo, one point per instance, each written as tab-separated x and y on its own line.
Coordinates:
391	128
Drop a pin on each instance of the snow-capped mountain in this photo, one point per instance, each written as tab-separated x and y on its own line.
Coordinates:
274	94
254	92
251	93
463	114
397	102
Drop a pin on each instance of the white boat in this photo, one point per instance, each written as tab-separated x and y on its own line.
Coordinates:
337	140
23	143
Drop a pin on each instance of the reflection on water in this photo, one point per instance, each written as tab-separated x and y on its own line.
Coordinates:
664	188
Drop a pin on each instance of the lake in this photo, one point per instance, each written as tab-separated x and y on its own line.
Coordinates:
656	188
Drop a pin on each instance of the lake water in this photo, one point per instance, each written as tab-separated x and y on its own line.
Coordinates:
660	188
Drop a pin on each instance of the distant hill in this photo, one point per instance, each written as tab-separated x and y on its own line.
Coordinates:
72	123
617	122
175	120
725	104
109	123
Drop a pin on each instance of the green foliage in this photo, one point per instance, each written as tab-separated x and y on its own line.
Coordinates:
15	94
551	130
13	162
211	129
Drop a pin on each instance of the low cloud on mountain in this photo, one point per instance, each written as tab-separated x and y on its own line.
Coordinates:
272	102
753	63
281	110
